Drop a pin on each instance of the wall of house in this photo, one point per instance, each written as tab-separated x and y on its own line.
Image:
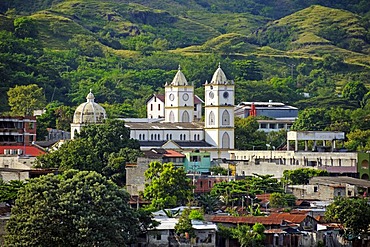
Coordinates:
135	179
155	108
12	167
165	135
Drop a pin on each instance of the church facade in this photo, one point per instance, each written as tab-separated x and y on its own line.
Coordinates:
180	128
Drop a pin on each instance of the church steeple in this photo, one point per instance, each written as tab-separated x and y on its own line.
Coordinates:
179	99
219	110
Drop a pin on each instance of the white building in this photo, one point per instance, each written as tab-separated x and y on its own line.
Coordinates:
155	107
179	130
87	113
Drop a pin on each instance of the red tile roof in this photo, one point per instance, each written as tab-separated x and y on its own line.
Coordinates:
173	154
30	150
272	219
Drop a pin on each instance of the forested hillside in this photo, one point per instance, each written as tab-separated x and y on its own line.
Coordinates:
298	52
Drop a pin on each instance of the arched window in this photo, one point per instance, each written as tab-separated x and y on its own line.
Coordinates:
144	137
140	137
225	140
151	137
172	117
198	137
171	136
166	136
185	117
225	118
211	118
158	137
195	137
180	137
184	136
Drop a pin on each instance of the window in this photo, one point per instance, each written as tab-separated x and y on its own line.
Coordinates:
151	137
151	107
172	117
159	237
195	137
171	136
225	140
211	118
155	99
226	118
31	126
198	137
180	137
144	137
195	107
281	126
201	184
184	137
185	117
140	137
209	184
315	189
159	107
166	136
263	126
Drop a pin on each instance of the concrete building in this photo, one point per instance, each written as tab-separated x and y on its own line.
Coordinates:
327	188
273	162
17	130
164	234
281	116
326	137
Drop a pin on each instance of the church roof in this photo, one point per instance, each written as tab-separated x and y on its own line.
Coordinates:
89	112
161	97
179	79
219	77
165	126
181	144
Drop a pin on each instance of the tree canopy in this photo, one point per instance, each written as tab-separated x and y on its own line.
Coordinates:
351	212
166	186
76	208
104	148
23	100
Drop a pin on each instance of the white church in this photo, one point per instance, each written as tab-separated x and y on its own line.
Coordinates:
177	123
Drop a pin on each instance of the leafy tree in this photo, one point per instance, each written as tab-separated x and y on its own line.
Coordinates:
184	225
23	100
312	119
196	214
219	170
250	237
247	135
358	140
72	209
301	175
280	200
104	148
9	190
233	191
354	90
247	70
208	202
351	213
166	185
25	27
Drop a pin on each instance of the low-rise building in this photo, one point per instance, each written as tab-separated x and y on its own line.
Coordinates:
327	188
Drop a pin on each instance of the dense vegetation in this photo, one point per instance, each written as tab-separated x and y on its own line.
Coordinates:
302	53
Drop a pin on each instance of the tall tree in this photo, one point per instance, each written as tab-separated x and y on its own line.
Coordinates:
354	90
104	148
23	100
72	209
351	212
166	185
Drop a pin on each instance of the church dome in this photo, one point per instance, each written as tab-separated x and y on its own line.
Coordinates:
89	112
179	79
219	77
